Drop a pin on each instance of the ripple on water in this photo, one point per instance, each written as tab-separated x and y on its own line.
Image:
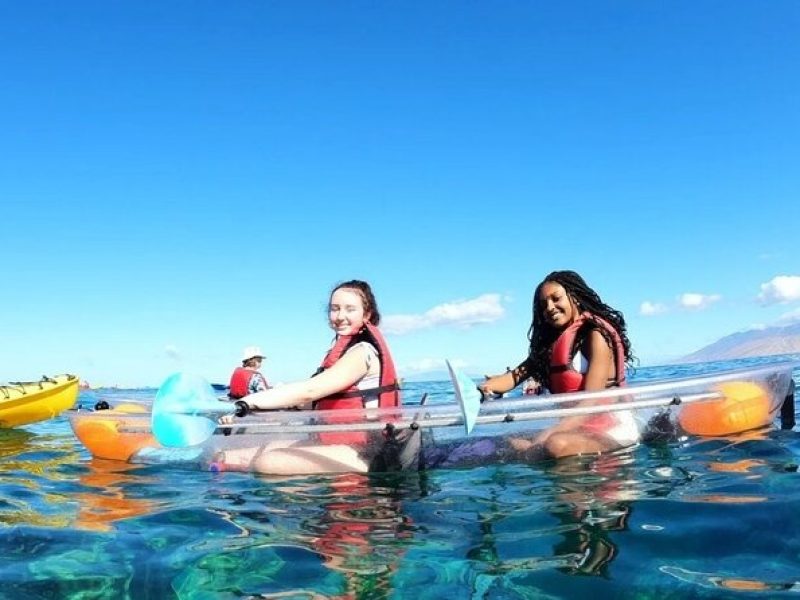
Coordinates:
697	518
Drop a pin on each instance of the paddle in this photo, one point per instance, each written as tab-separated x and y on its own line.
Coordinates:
467	396
438	418
185	411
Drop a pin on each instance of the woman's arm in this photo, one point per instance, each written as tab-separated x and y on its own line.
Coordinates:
500	384
349	369
601	361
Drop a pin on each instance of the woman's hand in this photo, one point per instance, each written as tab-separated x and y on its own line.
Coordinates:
485	387
497	385
242	409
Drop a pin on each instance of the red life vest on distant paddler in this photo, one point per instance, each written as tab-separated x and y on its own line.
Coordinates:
563	376
353	397
240	382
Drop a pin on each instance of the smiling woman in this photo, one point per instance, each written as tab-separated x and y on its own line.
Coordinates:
577	343
357	372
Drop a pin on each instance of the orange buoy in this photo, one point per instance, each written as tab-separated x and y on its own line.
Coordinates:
744	405
103	433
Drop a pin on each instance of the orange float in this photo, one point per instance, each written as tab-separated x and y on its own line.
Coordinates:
744	405
105	436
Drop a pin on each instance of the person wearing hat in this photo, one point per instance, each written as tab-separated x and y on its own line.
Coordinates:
247	379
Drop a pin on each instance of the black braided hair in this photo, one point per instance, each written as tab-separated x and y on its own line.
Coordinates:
542	335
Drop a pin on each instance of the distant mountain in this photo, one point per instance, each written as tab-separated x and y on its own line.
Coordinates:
756	342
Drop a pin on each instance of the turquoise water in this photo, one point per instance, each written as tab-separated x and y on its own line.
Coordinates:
703	518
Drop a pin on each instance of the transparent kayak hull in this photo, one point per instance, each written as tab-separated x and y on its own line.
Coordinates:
427	436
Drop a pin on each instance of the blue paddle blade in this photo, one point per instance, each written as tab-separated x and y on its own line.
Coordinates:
467	395
185	411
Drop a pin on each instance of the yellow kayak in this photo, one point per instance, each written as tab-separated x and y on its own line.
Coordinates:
23	402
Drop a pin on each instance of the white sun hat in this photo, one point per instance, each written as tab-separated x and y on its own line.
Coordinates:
252	352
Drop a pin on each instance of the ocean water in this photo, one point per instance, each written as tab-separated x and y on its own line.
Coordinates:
703	518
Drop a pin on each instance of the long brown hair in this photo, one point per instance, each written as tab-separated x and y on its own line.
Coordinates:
367	298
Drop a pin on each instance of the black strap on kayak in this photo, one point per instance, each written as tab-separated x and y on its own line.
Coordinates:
400	450
660	428
787	408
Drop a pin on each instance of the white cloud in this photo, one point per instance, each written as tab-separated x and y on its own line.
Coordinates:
693	301
487	308
790	317
781	289
172	352
648	309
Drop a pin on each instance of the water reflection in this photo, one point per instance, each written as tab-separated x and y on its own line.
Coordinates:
31	479
594	499
579	503
22	451
113	492
582	512
361	534
308	537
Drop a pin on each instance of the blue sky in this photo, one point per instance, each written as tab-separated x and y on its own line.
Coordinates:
179	180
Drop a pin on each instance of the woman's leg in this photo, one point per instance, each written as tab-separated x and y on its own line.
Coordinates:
242	459
573	443
309	460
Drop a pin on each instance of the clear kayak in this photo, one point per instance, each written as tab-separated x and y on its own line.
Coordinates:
426	436
24	402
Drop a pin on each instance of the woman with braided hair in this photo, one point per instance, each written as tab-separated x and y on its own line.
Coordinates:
577	343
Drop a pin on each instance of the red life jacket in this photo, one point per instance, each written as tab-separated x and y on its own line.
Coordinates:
563	376
352	397
240	382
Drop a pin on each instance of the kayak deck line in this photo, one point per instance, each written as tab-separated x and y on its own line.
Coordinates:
455	420
444	420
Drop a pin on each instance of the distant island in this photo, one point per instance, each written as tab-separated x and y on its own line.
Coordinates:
756	342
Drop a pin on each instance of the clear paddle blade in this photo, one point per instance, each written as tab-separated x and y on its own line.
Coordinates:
467	395
185	411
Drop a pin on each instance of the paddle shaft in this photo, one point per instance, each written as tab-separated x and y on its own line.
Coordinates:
446	421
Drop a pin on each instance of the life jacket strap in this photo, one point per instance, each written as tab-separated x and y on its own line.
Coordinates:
376	391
